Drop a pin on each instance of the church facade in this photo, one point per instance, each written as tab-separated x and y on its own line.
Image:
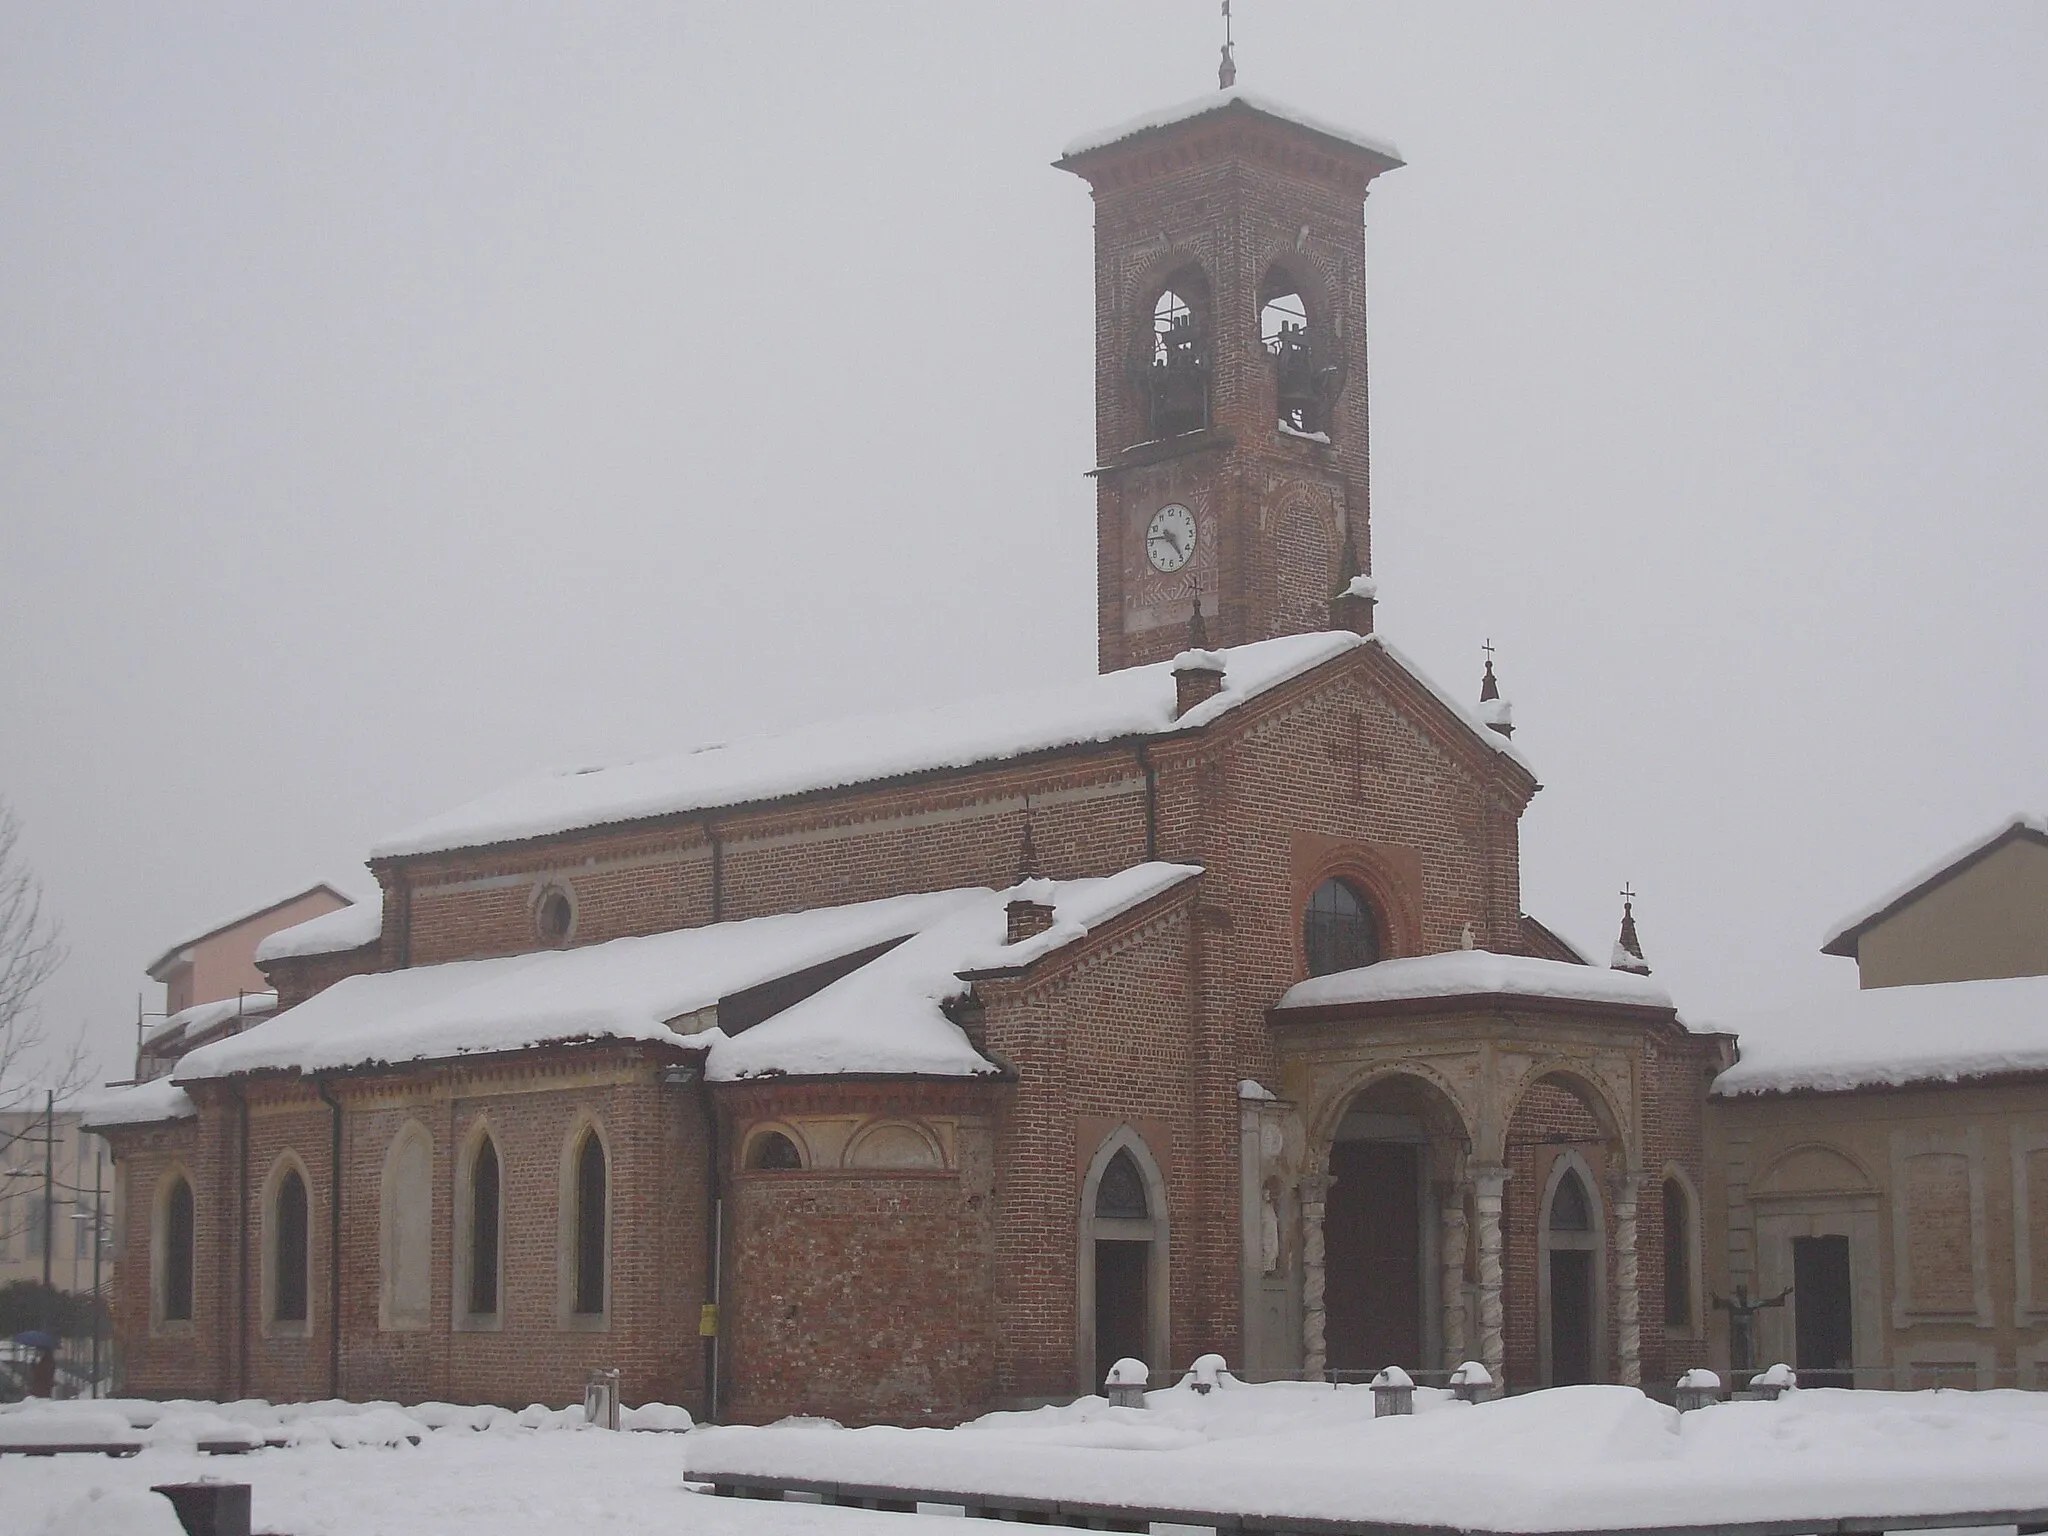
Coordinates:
899	1069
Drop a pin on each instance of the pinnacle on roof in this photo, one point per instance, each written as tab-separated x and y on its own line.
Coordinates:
1628	949
1027	852
1496	711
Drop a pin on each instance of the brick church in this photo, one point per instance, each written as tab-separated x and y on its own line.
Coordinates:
904	1067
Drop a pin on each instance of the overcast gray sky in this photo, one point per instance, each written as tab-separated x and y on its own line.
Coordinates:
397	398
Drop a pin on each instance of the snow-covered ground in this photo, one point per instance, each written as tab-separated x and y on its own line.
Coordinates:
1576	1457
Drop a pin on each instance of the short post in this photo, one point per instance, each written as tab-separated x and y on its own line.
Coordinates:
1125	1384
209	1509
1696	1389
601	1399
1471	1382
1393	1392
1206	1374
1768	1386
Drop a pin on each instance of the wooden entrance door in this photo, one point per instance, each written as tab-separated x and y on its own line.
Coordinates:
1823	1340
1121	1273
1571	1316
1372	1247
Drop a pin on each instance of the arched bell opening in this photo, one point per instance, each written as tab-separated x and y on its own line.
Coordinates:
1174	365
1394	1227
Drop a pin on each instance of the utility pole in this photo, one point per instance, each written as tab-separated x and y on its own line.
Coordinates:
99	1238
49	1184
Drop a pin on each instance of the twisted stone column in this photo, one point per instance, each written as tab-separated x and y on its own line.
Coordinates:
1314	1319
1454	1276
1488	1184
1627	1282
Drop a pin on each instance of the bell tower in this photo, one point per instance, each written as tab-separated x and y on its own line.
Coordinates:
1230	403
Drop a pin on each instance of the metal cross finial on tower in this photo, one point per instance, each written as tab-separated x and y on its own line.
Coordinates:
1627	893
1487	646
1226	72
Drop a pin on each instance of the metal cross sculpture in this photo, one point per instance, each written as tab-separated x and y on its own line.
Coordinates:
1741	1331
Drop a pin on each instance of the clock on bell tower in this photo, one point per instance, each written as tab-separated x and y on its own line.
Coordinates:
1230	401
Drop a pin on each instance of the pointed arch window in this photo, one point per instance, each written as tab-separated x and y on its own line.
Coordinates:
591	1201
1570	1210
484	1209
1677	1256
176	1293
1121	1194
1340	932
289	1263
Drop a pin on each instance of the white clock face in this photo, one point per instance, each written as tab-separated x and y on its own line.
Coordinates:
1170	538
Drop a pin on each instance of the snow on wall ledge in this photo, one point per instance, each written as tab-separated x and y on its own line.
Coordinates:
1135	702
1216	101
1884	1037
1475	973
140	1104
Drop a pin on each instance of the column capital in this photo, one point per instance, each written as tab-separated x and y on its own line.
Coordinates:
1314	1187
1489	1180
1625	1185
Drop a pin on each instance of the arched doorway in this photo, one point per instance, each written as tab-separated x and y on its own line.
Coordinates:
1124	1260
1398	1139
1569	1272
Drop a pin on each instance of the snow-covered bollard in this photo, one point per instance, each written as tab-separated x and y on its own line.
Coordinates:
1471	1382
1125	1384
1766	1386
1696	1389
1393	1391
601	1399
1206	1374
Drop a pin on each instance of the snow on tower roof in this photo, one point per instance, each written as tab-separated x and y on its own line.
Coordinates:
331	933
1882	1037
203	1018
883	1016
1135	702
1841	939
1475	973
1217	101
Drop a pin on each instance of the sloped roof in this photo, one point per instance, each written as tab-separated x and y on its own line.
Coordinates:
1842	938
1880	1037
1135	703
880	1014
136	1104
170	957
1234	99
203	1018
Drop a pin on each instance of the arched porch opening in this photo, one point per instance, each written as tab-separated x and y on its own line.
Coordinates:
1393	1246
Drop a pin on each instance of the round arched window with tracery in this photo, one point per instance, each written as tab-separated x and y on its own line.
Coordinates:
1340	932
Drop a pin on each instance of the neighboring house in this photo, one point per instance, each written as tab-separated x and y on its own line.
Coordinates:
1884	1154
212	986
24	1236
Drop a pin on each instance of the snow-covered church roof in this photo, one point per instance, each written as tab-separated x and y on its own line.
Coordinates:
881	1016
1218	101
1475	973
331	933
1136	702
1882	1037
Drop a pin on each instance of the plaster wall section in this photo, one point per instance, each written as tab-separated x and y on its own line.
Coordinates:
1989	920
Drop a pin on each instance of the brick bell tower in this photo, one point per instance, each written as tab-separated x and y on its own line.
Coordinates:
1230	402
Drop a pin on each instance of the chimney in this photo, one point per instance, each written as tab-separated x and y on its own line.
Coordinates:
1026	919
1197	675
1352	607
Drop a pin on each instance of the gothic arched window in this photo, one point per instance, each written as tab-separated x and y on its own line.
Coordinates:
590	1225
484	1184
1176	374
288	1260
176	1291
1677	1256
1340	932
1570	1210
1121	1194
